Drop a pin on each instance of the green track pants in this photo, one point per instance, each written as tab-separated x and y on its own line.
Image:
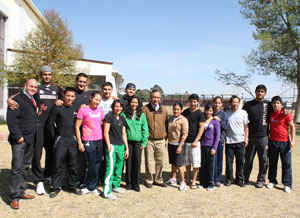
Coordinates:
114	167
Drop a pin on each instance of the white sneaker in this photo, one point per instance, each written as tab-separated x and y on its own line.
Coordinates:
111	197
171	181
96	192
182	186
270	185
287	189
200	186
85	191
210	188
118	190
40	190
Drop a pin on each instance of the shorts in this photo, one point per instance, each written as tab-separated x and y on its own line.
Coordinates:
175	159
192	156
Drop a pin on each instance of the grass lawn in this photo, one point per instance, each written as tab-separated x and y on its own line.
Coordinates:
230	201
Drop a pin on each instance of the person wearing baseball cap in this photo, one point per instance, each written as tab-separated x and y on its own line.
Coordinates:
129	92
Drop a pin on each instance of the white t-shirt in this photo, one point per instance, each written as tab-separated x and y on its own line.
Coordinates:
105	105
236	121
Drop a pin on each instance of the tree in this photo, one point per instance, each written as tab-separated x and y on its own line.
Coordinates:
119	82
232	79
50	43
277	24
143	94
157	87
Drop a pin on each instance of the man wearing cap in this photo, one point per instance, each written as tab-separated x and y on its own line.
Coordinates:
22	125
129	92
48	94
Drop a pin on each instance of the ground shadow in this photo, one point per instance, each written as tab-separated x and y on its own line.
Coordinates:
4	184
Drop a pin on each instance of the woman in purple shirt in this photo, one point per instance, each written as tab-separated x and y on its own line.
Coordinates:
209	145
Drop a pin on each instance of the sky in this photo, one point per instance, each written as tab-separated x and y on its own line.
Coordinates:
173	43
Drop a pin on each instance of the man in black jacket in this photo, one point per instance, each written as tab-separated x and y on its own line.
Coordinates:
22	125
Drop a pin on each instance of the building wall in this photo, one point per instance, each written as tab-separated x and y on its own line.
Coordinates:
22	16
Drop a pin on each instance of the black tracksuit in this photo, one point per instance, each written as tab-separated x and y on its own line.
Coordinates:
65	147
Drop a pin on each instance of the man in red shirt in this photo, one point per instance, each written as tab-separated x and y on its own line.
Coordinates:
280	144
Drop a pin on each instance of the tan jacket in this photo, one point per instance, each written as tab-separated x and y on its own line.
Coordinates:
157	121
177	129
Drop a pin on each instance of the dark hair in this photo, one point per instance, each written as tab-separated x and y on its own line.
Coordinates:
107	84
95	93
194	97
233	97
208	106
114	103
128	111
261	86
154	90
276	98
81	75
69	89
218	97
178	104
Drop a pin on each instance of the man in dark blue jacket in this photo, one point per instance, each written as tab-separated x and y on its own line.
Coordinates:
22	125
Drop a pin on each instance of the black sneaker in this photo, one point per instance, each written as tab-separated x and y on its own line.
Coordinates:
259	185
76	191
241	184
54	193
227	183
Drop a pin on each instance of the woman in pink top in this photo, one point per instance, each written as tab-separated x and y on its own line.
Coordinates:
90	141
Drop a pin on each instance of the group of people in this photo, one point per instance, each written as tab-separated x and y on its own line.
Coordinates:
88	136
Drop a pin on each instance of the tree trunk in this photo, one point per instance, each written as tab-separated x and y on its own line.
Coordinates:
297	111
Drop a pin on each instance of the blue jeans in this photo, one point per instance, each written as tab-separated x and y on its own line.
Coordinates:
219	161
94	153
283	149
206	172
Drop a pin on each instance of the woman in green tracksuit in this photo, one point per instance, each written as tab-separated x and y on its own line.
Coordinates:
137	134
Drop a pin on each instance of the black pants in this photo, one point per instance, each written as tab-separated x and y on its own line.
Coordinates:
283	149
237	150
43	139
20	163
259	145
206	171
65	149
133	163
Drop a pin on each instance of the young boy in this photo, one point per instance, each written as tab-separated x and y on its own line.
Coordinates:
65	144
106	99
192	154
280	144
129	91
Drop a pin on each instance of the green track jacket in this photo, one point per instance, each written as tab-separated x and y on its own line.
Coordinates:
137	130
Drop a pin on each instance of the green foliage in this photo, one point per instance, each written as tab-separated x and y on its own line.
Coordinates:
277	25
51	43
119	82
232	79
143	94
157	87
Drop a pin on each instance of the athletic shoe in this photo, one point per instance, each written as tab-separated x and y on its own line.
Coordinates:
171	181
40	190
118	190
241	184
85	191
287	189
54	193
210	188
227	183
218	184
182	186
110	197
259	185
76	191
270	185
95	192
200	186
